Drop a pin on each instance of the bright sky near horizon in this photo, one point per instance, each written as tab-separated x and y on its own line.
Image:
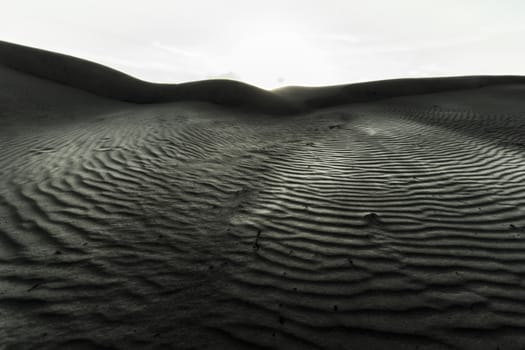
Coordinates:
272	43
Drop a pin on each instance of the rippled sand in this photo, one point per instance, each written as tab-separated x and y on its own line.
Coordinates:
397	224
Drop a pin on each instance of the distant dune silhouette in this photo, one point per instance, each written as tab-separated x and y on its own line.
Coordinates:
103	81
107	82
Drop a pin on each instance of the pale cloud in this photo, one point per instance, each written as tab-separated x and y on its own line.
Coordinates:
227	75
180	51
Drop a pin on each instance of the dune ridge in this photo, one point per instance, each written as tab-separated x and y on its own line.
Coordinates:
110	83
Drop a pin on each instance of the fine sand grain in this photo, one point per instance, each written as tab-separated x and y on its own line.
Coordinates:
393	224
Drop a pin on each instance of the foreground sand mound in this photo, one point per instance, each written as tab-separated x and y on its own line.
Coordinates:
395	224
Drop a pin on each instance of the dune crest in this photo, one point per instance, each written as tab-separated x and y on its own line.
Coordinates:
110	83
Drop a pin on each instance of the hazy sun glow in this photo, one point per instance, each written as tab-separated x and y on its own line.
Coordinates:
270	57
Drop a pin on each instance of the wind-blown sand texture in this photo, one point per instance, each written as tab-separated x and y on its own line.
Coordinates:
387	215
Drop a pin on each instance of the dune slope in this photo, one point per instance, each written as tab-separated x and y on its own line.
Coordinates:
109	83
391	224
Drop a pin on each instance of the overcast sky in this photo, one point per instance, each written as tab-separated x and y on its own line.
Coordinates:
271	43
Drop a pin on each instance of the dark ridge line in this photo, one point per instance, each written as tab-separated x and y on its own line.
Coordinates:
110	83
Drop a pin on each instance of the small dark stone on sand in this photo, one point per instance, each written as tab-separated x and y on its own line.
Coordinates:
256	243
372	218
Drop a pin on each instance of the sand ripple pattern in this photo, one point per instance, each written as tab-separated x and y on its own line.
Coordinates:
399	224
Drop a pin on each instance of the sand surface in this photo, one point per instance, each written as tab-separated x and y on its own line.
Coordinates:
394	224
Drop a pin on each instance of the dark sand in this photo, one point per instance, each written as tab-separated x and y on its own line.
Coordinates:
396	221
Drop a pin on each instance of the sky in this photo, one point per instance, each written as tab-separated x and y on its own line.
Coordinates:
274	43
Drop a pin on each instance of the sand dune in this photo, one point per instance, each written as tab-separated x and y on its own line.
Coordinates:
106	82
394	223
